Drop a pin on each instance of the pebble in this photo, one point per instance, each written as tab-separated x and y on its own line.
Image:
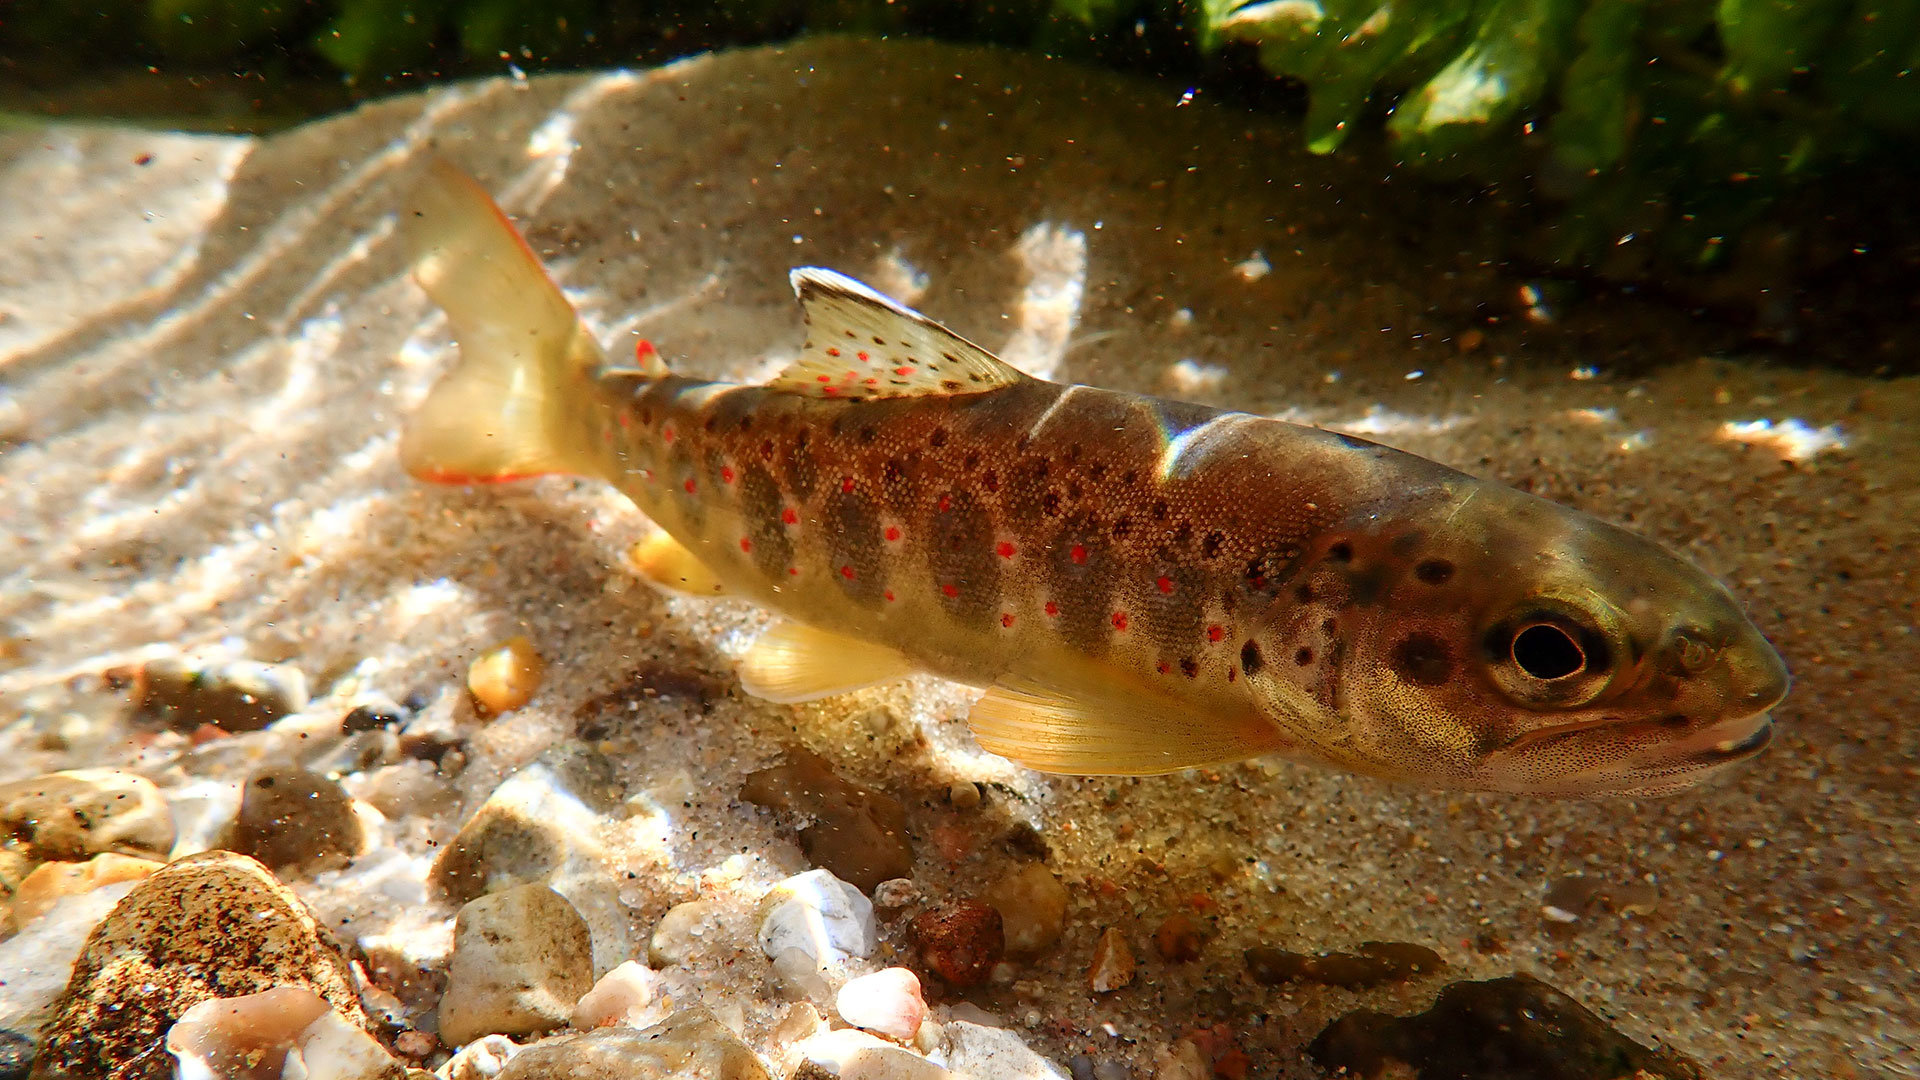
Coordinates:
401	790
373	714
482	1059
856	832
981	1052
295	822
540	818
679	933
1514	1026
235	695
894	894
506	676
1033	908
522	958
1113	964
1182	1061
819	914
960	940
1178	939
1377	962
622	996
964	794
888	1002
288	1031
52	881
689	1045
1576	896
796	976
851	1054
206	926
69	816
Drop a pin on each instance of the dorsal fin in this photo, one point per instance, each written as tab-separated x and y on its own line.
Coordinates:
861	344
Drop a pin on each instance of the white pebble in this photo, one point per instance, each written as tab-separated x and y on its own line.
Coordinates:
888	1002
622	996
820	915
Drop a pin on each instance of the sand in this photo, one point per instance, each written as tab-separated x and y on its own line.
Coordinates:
207	346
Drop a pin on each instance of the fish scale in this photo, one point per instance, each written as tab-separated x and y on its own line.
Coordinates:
1140	585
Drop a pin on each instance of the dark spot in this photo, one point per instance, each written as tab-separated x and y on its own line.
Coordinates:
1303	656
1159	509
712	422
1189	666
1050	504
1122	527
1434	571
1673	720
766	449
990	480
1340	552
1304	594
1131	477
893	471
950	385
1250	659
1097	471
938	438
1547	652
868	434
1183	533
1073	451
1328	626
1075	491
1422	659
971	461
1210	547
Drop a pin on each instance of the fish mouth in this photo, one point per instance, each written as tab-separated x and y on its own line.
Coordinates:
1672	766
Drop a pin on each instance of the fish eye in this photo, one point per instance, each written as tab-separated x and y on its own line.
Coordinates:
1547	652
1549	656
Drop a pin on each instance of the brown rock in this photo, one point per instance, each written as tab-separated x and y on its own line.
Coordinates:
295	821
211	925
69	816
1178	939
1033	904
1377	962
858	833
961	940
239	695
1113	964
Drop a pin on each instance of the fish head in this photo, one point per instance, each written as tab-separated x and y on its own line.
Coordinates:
1526	647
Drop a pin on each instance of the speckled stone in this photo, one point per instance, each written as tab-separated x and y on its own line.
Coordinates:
532	824
211	925
69	816
689	1045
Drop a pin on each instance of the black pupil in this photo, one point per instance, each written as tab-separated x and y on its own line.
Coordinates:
1546	652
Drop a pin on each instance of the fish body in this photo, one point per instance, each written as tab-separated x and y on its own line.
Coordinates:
1141	585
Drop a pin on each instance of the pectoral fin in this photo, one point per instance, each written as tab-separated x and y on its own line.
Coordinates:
1110	732
793	663
667	563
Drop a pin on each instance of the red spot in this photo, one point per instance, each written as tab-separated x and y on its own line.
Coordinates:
903	371
1165	583
889	595
1215	633
946	503
1163	668
647	475
1078	554
666	434
793	571
789	516
1120	621
950	590
893	532
833	352
1232	673
1006	620
846	483
644	351
688	485
871	380
1005	550
626	420
1053	608
847	572
823	378
746	544
829	390
863	356
726	476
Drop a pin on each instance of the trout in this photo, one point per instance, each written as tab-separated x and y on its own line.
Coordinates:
1139	585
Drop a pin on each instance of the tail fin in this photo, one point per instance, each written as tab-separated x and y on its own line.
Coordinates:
521	402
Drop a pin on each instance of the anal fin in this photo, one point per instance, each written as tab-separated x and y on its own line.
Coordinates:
669	564
792	663
1108	731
